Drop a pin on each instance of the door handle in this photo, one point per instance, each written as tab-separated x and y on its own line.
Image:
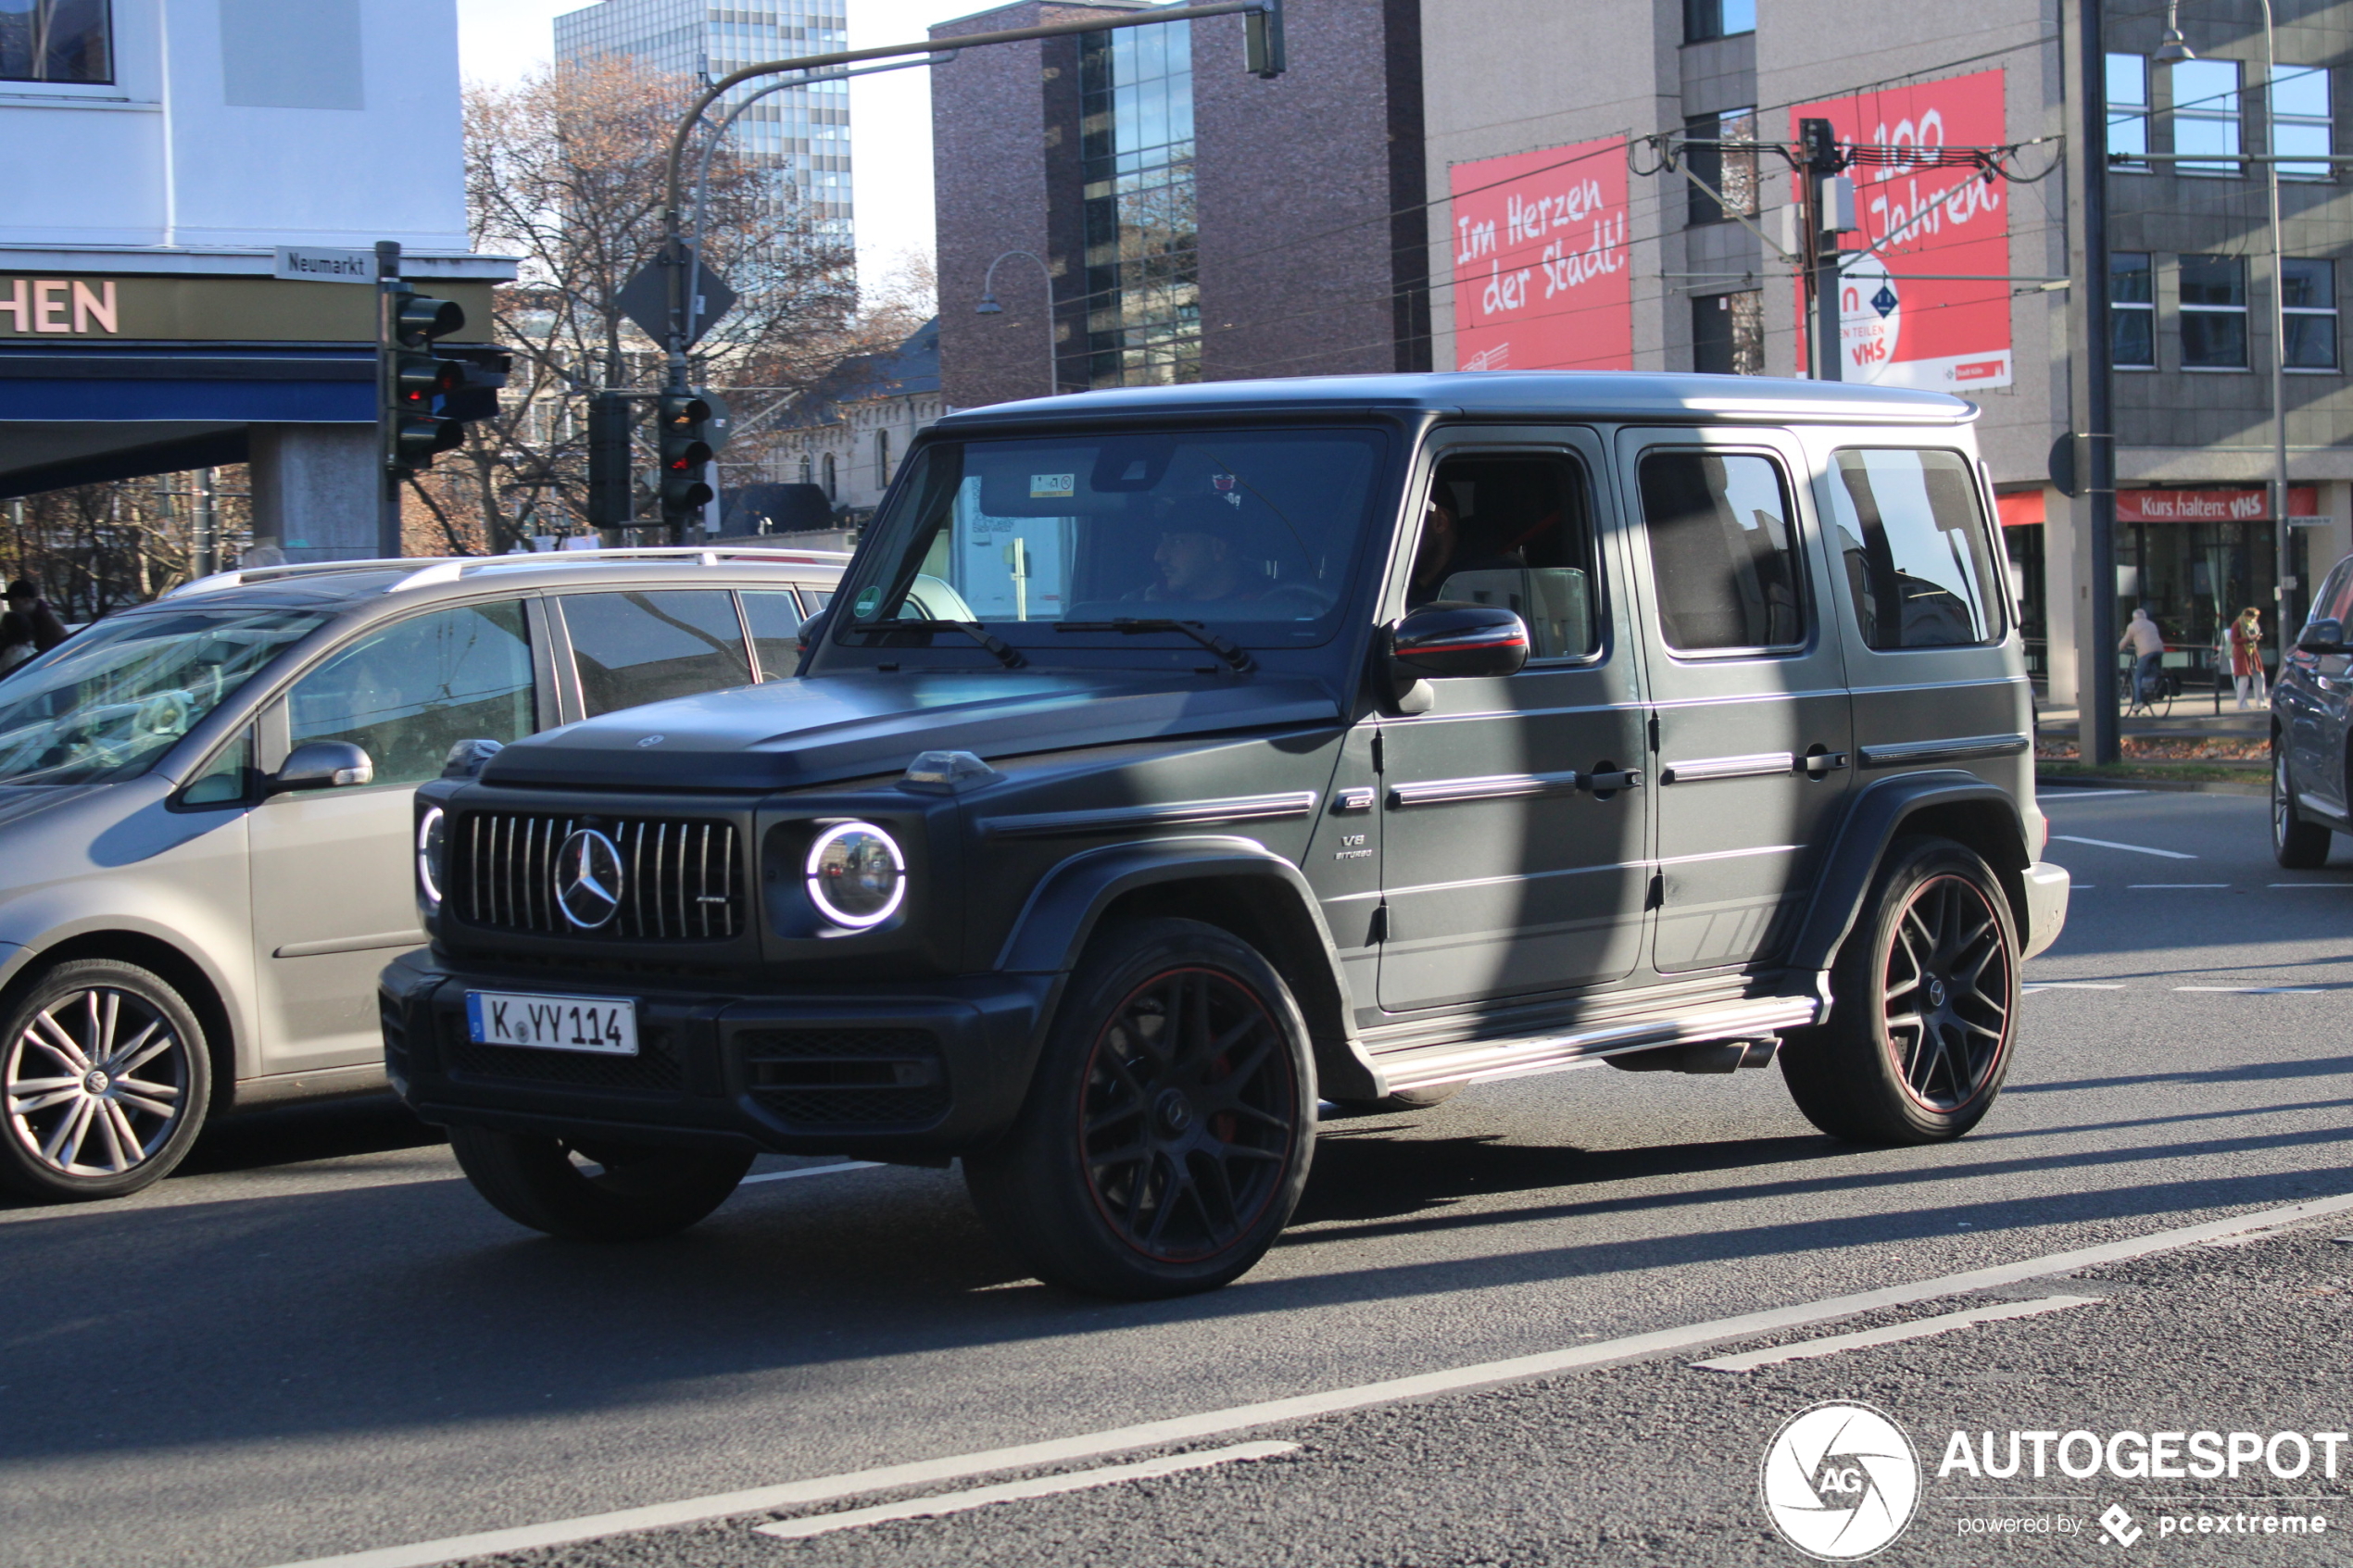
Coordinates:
1610	782
1819	762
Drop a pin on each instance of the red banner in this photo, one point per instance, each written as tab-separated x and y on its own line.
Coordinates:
1541	281
2211	505
1906	318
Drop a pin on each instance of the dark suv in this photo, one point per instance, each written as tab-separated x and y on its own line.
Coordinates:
2312	730
1173	759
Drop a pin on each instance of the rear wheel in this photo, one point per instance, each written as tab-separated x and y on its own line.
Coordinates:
105	1080
627	1193
2295	844
1925	1008
1167	1132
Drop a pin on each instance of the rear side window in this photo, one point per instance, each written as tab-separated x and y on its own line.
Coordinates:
408	693
774	619
634	649
1920	564
1723	552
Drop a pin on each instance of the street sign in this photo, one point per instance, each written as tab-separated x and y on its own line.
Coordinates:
303	265
645	299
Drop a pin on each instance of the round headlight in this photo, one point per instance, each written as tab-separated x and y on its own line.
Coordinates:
432	855
857	877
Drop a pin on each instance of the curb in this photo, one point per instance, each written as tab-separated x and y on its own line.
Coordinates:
2169	787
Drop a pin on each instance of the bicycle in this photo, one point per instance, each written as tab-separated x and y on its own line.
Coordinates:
2151	695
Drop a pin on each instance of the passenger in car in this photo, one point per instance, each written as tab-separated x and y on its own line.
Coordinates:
1446	550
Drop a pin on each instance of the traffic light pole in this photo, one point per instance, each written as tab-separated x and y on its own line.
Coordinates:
1822	163
389	470
2095	635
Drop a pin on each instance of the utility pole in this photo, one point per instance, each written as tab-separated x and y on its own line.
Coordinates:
1822	227
2090	384
207	551
388	469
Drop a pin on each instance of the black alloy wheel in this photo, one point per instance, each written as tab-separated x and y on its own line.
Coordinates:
1924	1004
105	1081
1168	1130
2297	845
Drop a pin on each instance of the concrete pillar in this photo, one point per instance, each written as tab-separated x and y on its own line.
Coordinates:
2062	596
314	490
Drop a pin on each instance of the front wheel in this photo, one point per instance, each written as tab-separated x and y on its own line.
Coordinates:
104	1078
1167	1132
595	1194
2297	845
1925	1005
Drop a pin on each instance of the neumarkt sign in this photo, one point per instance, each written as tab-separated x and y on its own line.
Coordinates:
64	309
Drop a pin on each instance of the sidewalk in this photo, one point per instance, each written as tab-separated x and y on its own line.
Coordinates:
2193	717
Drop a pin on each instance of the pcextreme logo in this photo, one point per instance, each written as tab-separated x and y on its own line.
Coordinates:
1840	1480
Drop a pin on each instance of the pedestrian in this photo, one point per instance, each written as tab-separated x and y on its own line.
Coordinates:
2246	657
2149	651
28	626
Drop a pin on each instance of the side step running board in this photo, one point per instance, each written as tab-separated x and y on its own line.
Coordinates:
1482	1060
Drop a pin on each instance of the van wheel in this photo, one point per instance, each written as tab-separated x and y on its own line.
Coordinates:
2297	845
1925	1005
628	1193
105	1077
1167	1132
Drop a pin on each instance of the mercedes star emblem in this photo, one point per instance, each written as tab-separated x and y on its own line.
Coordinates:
588	878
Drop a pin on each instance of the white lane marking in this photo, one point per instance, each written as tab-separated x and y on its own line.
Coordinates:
812	1171
1895	1334
2159	887
1014	1491
1303	1406
2135	848
2256	990
2062	793
2033	986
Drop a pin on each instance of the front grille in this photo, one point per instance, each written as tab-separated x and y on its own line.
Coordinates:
655	1066
680	878
844	1077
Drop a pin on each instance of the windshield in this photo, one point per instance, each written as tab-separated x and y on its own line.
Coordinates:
1254	533
106	702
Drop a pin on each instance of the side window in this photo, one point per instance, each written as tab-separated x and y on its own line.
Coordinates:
1920	564
774	619
633	649
226	779
1723	552
1515	532
407	693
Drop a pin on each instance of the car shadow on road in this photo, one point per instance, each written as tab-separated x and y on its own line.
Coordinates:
294	1134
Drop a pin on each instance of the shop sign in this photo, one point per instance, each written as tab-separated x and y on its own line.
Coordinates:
1928	303
1541	273
70	311
2210	506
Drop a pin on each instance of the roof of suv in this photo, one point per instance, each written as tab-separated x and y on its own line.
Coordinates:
316	583
1504	394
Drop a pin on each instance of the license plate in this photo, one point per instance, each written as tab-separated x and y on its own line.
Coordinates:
600	1024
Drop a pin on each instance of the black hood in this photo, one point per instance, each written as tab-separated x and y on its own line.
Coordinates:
784	735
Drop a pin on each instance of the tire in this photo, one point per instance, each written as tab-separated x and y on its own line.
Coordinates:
639	1193
1936	925
105	1078
1403	1100
2297	845
1134	1174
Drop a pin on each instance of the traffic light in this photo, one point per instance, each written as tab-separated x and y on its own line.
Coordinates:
429	394
1263	52
611	504
684	438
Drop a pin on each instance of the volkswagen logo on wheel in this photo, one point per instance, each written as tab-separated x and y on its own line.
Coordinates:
1840	1480
588	878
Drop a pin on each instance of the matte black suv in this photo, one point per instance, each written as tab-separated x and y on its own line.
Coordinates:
1174	759
2312	730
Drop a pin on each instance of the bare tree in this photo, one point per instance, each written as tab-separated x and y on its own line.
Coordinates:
94	548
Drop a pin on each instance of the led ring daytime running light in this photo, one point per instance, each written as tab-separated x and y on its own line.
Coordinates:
428	853
815	881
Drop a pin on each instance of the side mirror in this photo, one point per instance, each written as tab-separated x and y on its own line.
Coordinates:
322	764
1456	641
812	631
2321	636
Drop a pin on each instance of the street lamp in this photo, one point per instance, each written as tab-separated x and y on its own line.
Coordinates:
2173	50
989	306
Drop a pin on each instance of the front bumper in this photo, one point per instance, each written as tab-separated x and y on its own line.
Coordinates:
896	1072
2046	886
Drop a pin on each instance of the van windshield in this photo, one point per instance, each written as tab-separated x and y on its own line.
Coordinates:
108	701
1255	533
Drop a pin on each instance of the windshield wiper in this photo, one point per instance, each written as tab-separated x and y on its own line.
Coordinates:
1007	655
1129	625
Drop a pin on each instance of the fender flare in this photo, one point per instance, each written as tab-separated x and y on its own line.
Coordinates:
1063	910
1872	822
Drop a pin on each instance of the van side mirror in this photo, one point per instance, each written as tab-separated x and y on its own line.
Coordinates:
322	764
1455	642
812	631
2323	635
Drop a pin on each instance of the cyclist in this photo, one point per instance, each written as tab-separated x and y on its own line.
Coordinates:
2148	645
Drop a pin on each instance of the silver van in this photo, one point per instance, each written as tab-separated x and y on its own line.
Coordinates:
205	824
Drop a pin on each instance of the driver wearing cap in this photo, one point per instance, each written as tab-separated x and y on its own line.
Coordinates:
1200	555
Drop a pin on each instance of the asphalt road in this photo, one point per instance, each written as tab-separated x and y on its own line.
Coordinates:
316	1340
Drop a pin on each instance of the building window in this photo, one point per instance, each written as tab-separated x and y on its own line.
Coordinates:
2301	122
831	493
1708	20
56	41
2132	300
1728	334
2206	115
2213	313
2308	309
882	459
1143	294
804	469
2127	111
1731	171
